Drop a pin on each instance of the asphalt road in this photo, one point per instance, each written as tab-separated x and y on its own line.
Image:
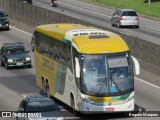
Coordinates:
149	29
16	83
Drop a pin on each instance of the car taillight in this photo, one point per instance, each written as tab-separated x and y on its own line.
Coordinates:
137	18
121	18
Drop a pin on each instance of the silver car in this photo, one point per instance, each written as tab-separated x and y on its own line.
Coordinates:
125	17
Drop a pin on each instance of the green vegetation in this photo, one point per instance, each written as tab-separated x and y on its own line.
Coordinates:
141	6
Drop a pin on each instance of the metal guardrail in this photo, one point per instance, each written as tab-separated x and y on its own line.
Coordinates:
28	16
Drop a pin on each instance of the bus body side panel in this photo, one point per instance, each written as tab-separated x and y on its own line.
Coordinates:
60	78
68	87
46	68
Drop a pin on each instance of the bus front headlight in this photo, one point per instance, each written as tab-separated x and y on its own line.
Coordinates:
28	59
10	60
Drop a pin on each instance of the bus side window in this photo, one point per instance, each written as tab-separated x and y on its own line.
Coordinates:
56	51
62	50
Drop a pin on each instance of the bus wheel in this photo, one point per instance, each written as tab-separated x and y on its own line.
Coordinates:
43	87
47	90
73	107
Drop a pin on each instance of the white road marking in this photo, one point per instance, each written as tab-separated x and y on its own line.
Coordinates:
21	30
139	79
85	9
150	28
105	15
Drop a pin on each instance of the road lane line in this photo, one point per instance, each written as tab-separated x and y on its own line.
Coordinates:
150	28
147	82
21	30
135	77
85	9
104	15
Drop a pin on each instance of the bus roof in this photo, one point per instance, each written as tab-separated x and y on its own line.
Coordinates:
85	39
100	44
59	31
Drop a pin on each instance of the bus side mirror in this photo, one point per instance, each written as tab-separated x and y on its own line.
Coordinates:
77	68
137	66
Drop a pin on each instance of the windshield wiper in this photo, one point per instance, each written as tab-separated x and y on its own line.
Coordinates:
100	88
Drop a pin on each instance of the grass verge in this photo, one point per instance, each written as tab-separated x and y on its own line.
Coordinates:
141	6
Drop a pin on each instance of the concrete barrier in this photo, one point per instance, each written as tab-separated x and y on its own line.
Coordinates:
27	17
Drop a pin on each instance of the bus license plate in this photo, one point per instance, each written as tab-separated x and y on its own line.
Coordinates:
109	109
20	63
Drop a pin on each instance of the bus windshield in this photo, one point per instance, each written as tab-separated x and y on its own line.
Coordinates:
106	74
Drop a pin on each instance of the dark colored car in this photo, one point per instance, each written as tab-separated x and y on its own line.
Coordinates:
47	108
14	55
4	22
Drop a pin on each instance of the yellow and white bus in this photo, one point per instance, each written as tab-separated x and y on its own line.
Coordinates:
86	68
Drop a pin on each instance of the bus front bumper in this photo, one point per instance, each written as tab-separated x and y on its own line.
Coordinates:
91	107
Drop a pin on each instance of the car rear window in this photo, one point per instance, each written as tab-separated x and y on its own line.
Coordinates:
42	106
129	13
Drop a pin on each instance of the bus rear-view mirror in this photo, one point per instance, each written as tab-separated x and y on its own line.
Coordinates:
137	66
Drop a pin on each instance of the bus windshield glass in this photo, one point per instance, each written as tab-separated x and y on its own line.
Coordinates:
106	74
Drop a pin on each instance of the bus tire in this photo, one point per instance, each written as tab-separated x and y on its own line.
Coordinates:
47	91
43	87
73	107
